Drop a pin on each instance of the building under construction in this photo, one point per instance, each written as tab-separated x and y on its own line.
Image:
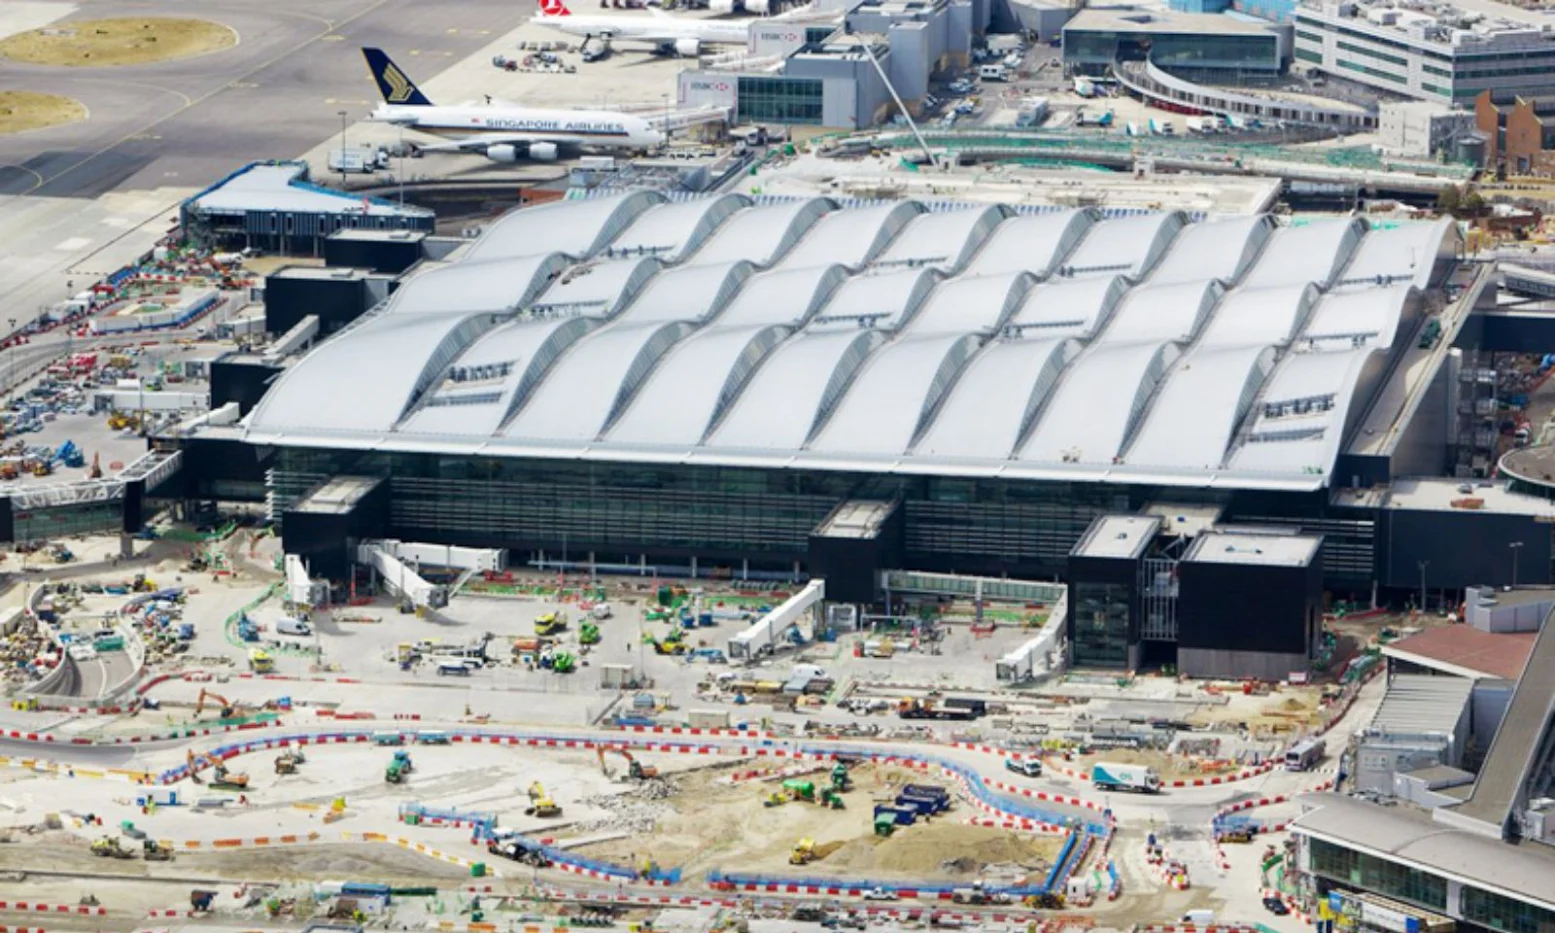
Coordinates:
703	384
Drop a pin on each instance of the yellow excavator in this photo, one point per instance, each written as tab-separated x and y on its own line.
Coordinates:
540	803
804	852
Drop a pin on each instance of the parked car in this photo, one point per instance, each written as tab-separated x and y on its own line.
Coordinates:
1275	906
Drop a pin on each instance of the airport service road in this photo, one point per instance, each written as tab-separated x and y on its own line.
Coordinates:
276	94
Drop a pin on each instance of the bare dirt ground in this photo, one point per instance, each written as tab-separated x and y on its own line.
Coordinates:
120	41
715	825
381	862
21	111
1289	711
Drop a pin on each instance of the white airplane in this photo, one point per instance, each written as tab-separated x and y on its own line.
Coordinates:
668	34
503	133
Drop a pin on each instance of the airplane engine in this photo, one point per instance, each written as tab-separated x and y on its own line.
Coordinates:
502	153
688	48
542	152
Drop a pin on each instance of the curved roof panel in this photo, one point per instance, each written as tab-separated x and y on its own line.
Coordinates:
1304	252
1034	243
991	405
782	297
1214	249
1258	316
1156	313
1349	317
1068	307
497	285
881	300
762	234
1097	403
577	228
1128	246
701	374
598	289
1404	253
799	381
670	231
968	304
581	393
1195	417
890	397
853	237
942	240
689	293
395	356
1299	420
494	376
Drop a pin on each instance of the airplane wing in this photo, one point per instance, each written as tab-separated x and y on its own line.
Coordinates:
480	143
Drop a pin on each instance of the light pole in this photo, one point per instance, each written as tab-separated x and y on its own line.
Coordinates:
666	142
342	115
1516	548
10	358
1423	564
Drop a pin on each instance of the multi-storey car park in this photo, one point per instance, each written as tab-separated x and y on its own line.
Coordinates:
699	383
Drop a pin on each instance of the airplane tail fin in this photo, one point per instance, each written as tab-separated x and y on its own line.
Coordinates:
554	8
394	84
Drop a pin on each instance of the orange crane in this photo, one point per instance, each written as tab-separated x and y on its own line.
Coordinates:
228	708
635	769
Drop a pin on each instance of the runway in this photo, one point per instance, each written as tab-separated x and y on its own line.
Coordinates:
278	93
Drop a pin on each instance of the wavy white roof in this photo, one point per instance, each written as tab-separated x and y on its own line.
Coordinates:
1034	243
804	334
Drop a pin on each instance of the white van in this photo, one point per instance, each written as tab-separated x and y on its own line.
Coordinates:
290	626
1199	918
808	671
601	611
455	667
993	73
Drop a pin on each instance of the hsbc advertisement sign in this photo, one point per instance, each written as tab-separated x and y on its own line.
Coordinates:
700	89
776	40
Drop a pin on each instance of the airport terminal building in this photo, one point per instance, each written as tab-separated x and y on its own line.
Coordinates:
699	384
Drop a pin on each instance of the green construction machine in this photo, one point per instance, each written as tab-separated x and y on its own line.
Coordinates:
399	766
841	780
588	634
564	662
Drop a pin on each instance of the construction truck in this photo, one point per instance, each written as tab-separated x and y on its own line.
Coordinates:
671	644
540	803
109	847
399	766
287	762
550	623
914	708
798	789
260	661
841	780
804	852
831	798
635	769
564	662
588	634
155	851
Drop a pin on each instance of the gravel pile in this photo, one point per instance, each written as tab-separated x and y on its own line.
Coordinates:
632	813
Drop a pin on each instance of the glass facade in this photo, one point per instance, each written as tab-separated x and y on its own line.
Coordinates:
1503	913
1201	50
63	521
1101	624
780	100
1380	876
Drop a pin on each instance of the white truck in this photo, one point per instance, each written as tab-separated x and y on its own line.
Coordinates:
1137	778
362	161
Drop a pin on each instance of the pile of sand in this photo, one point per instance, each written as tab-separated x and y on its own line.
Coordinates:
21	111
122	41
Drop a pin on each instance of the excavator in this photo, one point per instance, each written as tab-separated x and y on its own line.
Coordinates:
635	769
804	852
540	803
157	852
109	847
228	708
221	778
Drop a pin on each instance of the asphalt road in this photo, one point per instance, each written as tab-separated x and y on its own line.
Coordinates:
275	95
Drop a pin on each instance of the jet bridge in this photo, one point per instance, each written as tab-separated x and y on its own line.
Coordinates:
1030	659
399	577
768	632
302	590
